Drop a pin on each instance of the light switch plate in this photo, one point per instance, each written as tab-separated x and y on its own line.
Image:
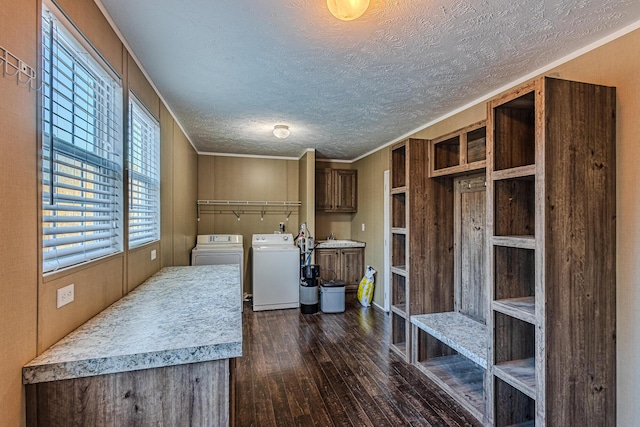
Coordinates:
153	255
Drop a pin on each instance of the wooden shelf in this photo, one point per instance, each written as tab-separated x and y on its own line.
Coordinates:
399	190
521	308
463	334
459	152
399	269
522	242
400	310
520	374
399	348
459	377
398	230
531	423
519	172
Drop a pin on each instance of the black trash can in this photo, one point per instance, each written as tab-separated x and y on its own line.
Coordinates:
309	288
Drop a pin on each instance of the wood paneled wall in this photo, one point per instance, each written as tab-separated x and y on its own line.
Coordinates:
185	192
243	178
371	214
29	320
18	215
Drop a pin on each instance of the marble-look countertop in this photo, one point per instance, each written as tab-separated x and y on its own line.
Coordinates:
463	334
180	315
337	244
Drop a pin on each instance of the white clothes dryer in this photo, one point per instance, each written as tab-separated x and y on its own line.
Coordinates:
217	249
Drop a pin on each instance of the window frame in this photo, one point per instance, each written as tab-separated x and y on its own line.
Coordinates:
149	178
82	148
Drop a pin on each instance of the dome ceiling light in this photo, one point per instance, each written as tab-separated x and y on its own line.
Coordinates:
281	131
347	10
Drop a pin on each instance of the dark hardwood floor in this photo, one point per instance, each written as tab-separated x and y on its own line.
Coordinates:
332	370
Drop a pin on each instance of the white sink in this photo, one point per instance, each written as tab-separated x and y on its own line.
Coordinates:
338	243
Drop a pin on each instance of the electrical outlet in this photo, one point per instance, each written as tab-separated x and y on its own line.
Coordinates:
153	255
64	295
363	227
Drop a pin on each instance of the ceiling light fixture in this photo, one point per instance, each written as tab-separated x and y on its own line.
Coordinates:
347	10
281	131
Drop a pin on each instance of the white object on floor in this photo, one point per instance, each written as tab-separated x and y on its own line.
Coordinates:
276	272
219	249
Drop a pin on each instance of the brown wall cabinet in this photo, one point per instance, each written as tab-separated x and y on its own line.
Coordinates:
337	190
344	264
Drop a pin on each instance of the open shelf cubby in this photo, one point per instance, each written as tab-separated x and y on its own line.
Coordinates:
514	133
477	145
514	282
514	353
514	204
399	210
398	333
398	293
513	408
451	349
398	251
447	153
398	175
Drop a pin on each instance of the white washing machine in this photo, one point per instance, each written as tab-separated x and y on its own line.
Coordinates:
276	272
217	249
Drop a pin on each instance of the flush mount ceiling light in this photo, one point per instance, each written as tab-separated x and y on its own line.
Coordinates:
281	131
347	10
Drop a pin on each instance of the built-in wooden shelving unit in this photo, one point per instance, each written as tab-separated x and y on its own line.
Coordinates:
413	198
551	180
517	322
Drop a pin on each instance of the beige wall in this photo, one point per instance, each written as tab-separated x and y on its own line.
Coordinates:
185	196
251	179
29	320
371	214
18	216
307	185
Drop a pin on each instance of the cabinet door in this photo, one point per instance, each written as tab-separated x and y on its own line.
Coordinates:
328	260
346	190
324	190
352	266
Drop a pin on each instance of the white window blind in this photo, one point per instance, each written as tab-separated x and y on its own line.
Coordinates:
144	175
82	152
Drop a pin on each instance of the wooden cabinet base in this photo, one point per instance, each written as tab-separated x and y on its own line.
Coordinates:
196	394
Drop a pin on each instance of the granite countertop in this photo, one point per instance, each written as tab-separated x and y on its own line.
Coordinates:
180	315
336	244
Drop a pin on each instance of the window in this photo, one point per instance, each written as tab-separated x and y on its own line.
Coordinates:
81	154
144	175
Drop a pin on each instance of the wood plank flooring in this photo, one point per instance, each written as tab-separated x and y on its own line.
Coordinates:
332	370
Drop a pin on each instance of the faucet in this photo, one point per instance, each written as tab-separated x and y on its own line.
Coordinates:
331	236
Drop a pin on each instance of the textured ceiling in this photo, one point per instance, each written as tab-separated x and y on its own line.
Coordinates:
232	69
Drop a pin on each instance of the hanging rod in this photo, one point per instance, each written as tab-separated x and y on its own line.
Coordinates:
247	203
